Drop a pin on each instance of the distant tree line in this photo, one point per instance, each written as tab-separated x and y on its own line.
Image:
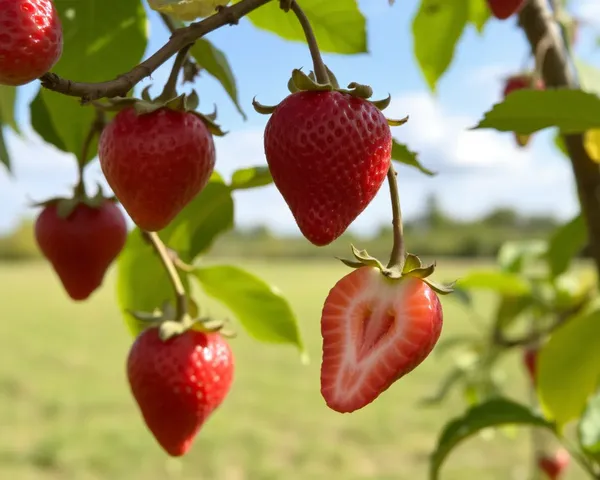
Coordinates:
433	233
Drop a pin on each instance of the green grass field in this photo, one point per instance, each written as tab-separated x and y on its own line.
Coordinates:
67	412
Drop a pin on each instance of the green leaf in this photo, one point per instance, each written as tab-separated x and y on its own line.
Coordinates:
198	225
527	111
142	281
215	63
588	75
436	28
565	243
339	26
504	283
42	123
260	308
569	367
251	178
95	33
514	256
8	97
493	413
589	428
4	156
402	154
479	14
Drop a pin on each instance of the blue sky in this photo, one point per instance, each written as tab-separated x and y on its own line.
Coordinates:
476	170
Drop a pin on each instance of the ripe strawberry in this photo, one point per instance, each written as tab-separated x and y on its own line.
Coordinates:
81	246
156	163
554	465
328	153
503	9
178	383
518	82
31	40
530	361
375	330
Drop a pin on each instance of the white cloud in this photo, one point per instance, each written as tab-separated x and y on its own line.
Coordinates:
590	10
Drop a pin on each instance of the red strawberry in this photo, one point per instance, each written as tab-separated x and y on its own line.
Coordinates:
179	383
156	163
82	246
553	466
375	330
503	9
530	360
328	153
518	82
31	40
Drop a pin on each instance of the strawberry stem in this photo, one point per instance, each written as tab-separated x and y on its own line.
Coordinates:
398	255
163	253
170	89
321	74
95	128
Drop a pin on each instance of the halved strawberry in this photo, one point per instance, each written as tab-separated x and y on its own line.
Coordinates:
375	330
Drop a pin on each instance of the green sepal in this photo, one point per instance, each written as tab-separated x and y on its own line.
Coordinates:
421	272
439	288
350	263
169	326
291	87
65	206
383	103
366	259
412	262
146	94
412	267
180	103
264	109
358	90
332	79
397	123
305	83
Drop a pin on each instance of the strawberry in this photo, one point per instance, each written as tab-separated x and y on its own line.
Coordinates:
554	465
31	40
81	246
178	383
156	162
375	330
329	153
518	82
503	9
530	361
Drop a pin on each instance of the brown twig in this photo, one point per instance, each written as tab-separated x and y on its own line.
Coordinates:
179	39
536	21
561	318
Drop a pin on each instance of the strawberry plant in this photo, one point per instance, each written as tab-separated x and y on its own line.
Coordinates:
329	152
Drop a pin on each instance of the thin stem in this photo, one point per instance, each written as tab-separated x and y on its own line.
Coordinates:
95	129
397	257
170	89
163	253
320	70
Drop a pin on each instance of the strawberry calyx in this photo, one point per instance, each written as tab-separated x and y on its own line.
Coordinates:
301	82
412	267
66	205
186	103
169	326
